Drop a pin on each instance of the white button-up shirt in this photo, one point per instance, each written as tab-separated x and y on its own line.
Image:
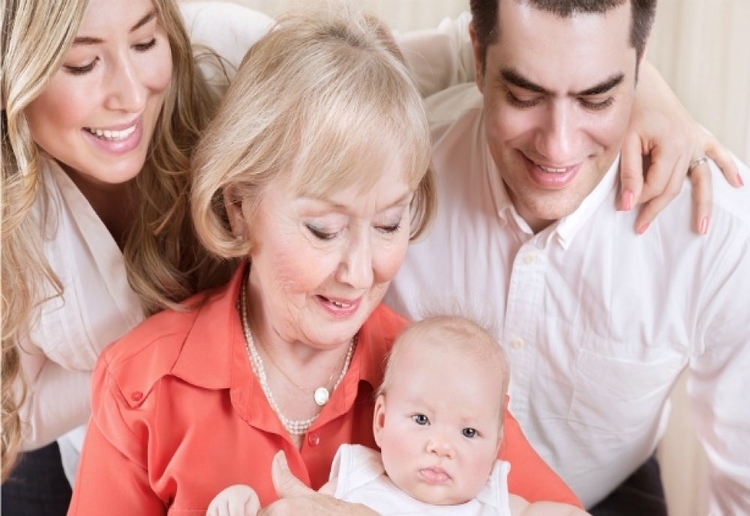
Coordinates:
597	322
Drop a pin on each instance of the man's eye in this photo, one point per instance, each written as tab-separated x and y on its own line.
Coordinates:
469	432
597	105
521	103
421	419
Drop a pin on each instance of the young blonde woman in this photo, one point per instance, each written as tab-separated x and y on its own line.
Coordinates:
103	103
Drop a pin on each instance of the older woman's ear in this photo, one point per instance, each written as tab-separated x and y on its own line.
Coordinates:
233	204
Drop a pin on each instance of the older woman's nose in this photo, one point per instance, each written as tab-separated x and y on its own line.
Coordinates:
356	264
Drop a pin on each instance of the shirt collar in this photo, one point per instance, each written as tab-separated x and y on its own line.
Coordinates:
215	341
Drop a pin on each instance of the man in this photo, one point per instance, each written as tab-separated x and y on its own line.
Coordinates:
598	321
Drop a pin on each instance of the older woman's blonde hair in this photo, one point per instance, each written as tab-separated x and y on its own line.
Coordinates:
165	263
324	97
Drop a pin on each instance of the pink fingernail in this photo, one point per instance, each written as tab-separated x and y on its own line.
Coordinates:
627	200
641	230
704	225
740	181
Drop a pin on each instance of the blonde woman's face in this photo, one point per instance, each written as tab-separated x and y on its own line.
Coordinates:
321	265
97	115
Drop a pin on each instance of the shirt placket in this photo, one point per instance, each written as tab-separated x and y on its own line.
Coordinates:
523	308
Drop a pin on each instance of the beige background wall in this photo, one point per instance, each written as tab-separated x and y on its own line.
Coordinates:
702	47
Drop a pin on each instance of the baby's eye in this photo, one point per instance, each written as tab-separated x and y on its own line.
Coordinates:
421	419
469	432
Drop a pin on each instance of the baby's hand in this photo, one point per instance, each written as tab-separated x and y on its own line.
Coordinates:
237	500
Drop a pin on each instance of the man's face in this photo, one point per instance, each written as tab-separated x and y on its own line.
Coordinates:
557	99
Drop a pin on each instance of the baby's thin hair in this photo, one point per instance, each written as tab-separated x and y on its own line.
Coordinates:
465	333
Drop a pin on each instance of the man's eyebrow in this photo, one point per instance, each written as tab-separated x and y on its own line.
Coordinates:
602	87
516	79
86	40
513	77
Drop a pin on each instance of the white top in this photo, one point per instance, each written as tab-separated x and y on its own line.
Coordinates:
597	322
98	307
361	479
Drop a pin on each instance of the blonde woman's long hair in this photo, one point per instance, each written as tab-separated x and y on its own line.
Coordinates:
325	97
164	261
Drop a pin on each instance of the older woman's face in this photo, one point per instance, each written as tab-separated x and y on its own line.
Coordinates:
320	266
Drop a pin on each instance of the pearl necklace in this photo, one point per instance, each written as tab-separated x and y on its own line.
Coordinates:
292	426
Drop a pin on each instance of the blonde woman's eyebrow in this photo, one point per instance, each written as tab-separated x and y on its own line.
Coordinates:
88	40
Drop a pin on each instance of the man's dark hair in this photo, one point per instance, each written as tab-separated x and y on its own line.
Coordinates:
485	17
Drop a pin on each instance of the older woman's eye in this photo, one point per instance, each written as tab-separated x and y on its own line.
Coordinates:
469	432
391	228
320	233
421	419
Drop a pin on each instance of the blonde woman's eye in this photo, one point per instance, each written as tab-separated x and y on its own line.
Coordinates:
81	70
145	47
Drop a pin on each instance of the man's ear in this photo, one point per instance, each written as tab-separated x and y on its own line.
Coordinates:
378	419
233	205
478	72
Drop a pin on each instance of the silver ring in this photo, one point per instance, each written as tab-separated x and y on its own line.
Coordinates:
697	162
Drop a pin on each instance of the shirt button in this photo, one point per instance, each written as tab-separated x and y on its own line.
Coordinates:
517	343
136	396
313	439
529	258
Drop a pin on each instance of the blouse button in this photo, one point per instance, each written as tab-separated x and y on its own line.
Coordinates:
136	396
313	439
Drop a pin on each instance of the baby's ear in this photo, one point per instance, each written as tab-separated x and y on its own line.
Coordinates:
500	437
378	419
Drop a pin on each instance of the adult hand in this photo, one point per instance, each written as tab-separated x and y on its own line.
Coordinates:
296	498
661	128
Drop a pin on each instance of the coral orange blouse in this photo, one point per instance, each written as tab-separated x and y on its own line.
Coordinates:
178	415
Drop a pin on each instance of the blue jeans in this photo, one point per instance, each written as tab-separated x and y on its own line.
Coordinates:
642	494
38	485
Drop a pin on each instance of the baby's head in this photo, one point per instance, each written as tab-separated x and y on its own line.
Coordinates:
439	412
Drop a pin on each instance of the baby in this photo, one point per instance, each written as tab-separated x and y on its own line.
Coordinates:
439	424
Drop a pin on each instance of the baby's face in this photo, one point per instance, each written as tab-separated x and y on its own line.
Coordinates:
439	425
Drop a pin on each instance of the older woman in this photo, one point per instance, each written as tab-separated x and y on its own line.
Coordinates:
315	171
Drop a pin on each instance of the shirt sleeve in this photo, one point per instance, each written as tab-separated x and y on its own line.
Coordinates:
440	57
57	399
113	476
718	379
530	477
227	28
